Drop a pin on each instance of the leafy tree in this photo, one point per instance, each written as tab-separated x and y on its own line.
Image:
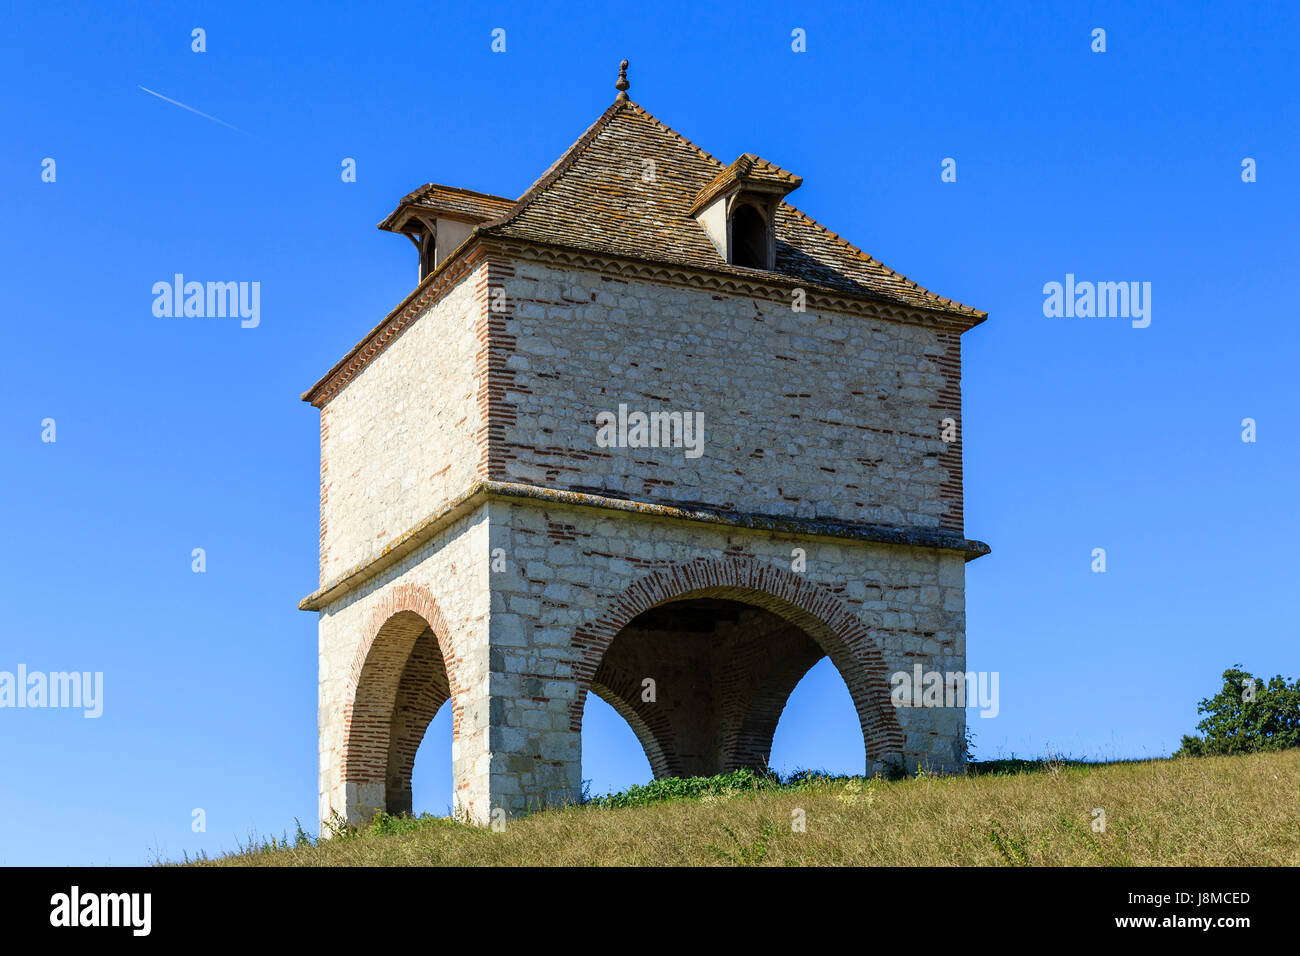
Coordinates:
1246	715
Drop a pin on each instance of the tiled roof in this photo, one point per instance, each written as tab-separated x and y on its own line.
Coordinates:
461	203
596	197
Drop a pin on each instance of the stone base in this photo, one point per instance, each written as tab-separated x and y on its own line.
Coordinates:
695	633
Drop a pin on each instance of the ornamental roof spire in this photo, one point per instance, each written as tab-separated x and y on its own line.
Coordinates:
622	83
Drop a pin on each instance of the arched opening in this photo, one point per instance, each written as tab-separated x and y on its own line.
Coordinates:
748	237
700	659
432	783
421	692
401	684
702	682
613	757
815	731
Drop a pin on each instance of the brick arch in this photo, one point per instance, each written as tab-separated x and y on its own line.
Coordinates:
810	606
396	669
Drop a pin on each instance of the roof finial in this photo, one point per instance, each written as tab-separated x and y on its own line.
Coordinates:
622	83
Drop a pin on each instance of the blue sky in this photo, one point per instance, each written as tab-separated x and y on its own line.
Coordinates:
174	434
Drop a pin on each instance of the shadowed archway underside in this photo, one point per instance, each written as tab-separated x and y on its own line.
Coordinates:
722	672
420	695
724	641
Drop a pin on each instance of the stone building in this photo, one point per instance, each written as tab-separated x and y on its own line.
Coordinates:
647	432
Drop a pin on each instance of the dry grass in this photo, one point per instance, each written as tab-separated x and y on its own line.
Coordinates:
1214	811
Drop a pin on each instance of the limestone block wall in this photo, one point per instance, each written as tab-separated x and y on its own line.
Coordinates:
813	414
403	437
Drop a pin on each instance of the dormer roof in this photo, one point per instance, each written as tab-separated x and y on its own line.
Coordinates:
748	173
448	202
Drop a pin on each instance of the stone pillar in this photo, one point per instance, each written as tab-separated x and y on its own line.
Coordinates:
536	759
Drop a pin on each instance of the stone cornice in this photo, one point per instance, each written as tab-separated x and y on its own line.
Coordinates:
482	491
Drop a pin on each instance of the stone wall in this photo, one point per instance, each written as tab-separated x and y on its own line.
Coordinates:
403	437
814	414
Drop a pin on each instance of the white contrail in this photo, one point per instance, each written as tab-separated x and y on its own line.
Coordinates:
193	110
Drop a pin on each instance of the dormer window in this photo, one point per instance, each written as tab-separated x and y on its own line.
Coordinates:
426	241
749	238
435	237
738	210
437	219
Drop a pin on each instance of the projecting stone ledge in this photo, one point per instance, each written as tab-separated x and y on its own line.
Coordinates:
480	491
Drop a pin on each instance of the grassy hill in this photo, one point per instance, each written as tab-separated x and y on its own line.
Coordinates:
1214	811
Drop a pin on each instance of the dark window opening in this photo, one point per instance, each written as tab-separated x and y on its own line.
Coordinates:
748	238
428	249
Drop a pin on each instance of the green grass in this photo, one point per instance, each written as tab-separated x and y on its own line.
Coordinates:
1213	811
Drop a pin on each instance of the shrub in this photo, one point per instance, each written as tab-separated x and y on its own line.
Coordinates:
676	788
1234	724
